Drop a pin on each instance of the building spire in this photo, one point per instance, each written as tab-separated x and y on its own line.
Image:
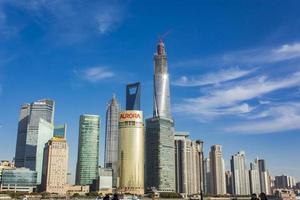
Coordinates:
161	47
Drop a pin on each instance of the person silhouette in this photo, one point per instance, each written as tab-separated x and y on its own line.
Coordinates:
263	196
115	197
254	196
106	197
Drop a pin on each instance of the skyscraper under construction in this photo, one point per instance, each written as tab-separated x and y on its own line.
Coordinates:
160	157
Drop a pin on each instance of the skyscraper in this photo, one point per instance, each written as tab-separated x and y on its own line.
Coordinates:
207	177
160	157
35	128
240	176
133	96
131	152
254	177
217	169
264	177
161	107
88	150
188	165
112	137
55	166
228	180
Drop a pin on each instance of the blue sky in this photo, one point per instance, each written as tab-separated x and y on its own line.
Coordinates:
234	68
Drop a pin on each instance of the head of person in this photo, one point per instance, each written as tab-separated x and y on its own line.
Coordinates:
263	196
253	196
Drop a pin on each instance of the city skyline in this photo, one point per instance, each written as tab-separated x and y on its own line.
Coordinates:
206	63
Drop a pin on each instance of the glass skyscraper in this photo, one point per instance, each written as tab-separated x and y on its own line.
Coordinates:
112	137
159	137
88	150
35	128
133	96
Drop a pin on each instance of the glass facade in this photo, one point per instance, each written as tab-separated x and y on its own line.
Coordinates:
88	150
133	96
34	130
112	137
19	177
160	154
60	131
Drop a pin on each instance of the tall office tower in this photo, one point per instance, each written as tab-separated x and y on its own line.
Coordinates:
264	177
35	128
55	166
133	96
88	150
131	152
228	180
112	137
160	157
240	176
188	165
60	131
207	177
254	177
217	169
161	107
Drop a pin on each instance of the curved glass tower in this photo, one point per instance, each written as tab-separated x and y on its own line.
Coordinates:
161	83
88	150
159	137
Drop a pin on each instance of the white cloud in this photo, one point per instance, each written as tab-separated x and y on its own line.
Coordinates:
255	56
275	119
95	74
212	78
231	99
71	21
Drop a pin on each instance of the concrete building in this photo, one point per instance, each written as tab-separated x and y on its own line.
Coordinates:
264	176
19	180
228	180
77	189
112	137
254	180
285	182
105	180
55	166
207	177
131	152
35	128
188	165
217	168
160	157
240	176
88	150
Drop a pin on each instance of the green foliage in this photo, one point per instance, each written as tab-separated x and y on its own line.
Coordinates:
75	195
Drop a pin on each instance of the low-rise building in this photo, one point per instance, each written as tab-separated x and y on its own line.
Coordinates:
5	164
105	180
18	180
79	189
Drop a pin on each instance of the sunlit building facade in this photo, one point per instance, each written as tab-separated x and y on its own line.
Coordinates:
160	157
55	166
88	150
35	128
131	152
112	137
